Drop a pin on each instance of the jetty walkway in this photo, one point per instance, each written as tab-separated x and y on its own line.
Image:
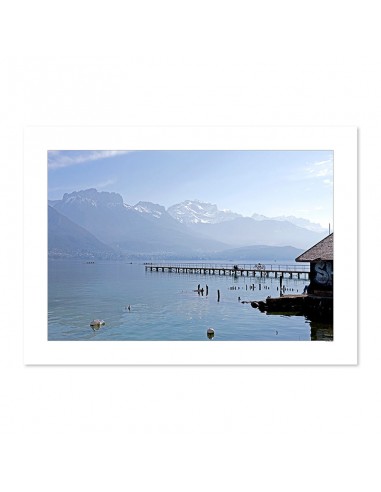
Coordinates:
251	270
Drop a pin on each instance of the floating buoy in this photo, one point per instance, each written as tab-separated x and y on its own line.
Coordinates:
210	333
97	322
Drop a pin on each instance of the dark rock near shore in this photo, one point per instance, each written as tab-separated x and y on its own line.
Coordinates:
314	308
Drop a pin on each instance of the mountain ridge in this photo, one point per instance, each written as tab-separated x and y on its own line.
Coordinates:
127	229
68	239
191	227
195	211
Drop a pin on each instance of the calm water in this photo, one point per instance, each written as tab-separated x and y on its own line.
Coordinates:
165	306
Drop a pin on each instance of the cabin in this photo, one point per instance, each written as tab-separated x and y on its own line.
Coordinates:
320	258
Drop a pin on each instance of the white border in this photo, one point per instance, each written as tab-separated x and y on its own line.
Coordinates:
38	140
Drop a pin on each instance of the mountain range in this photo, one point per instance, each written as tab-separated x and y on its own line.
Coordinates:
307	224
101	222
66	238
196	212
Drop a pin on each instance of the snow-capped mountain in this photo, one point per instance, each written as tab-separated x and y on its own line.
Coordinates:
189	227
195	212
145	228
312	226
298	221
150	208
260	217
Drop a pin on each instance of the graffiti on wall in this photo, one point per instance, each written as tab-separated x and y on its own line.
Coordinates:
323	273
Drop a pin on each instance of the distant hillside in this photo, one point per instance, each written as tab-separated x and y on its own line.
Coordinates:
259	253
307	224
65	238
245	231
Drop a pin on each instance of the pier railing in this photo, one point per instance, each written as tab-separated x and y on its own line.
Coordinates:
268	267
245	269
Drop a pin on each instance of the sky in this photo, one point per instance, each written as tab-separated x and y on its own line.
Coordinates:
270	183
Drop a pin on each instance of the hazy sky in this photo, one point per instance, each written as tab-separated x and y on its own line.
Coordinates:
270	183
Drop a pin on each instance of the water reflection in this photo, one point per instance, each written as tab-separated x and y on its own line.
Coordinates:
321	331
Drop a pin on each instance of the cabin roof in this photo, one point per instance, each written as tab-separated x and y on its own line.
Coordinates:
323	250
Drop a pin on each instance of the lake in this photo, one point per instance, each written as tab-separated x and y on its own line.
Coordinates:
166	306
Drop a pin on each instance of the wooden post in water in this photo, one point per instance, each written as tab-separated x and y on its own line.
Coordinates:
280	284
218	296
207	290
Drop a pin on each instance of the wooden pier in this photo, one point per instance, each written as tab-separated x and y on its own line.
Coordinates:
252	270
